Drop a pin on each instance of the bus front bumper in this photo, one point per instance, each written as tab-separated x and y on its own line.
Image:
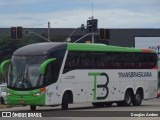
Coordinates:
28	98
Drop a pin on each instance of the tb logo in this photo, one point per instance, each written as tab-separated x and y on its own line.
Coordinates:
104	86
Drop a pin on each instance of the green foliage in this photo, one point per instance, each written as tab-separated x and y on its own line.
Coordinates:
58	38
6	48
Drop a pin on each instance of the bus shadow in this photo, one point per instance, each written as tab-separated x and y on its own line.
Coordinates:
87	108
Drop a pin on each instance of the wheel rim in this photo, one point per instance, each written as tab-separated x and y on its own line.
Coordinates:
128	99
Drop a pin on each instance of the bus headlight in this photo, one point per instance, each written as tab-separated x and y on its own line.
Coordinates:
37	94
9	94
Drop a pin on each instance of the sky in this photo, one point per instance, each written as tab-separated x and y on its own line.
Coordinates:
73	13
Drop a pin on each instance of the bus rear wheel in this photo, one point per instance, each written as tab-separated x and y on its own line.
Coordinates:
137	100
127	99
33	107
65	101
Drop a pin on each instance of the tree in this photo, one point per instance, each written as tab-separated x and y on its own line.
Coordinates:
58	38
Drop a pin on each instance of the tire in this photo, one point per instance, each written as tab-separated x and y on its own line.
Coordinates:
32	107
137	100
98	104
65	101
2	101
127	99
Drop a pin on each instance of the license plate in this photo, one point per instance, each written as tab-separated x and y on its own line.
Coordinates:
22	102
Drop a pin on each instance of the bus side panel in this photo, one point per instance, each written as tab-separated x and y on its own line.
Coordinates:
115	92
52	94
153	84
104	85
93	85
140	78
152	89
78	83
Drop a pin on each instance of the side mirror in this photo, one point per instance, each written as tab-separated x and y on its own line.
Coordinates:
4	69
44	65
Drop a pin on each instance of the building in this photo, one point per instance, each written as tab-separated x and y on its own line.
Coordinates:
117	37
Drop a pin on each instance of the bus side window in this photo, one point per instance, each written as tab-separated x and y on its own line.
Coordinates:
152	60
117	60
129	61
51	75
113	60
138	61
72	61
85	60
92	61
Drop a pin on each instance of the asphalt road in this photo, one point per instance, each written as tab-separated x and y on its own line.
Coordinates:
86	111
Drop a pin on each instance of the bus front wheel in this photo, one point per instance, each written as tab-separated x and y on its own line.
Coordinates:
2	101
65	101
33	107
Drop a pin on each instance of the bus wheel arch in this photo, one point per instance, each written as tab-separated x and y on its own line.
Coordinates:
66	99
128	97
139	95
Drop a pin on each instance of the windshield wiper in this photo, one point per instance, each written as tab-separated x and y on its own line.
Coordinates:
19	77
25	79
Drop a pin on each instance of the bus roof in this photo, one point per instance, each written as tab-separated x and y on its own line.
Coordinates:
103	47
40	48
49	47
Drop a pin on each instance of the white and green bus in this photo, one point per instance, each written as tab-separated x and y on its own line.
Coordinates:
48	74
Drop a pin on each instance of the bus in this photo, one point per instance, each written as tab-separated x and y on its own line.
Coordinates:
51	74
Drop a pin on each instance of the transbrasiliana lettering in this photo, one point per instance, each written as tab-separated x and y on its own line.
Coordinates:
134	74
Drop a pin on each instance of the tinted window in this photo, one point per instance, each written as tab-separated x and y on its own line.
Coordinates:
53	69
109	60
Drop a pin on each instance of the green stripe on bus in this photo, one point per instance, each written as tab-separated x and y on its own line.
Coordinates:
44	64
100	47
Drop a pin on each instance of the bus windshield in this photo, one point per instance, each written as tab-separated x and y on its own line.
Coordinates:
24	72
